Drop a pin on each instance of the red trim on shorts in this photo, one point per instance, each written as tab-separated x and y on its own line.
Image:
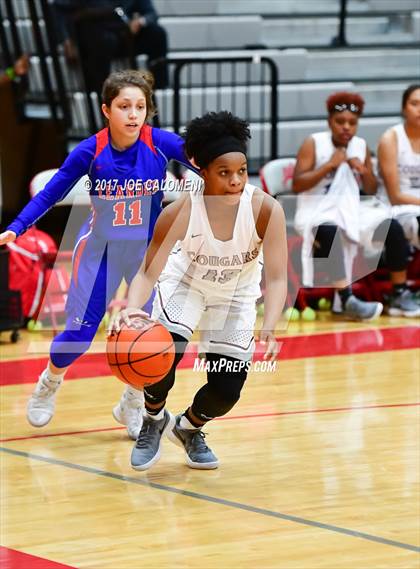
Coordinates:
102	139
12	559
146	137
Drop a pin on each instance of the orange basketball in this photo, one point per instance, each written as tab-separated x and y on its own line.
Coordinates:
141	356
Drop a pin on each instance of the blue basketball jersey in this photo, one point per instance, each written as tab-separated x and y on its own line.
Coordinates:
125	187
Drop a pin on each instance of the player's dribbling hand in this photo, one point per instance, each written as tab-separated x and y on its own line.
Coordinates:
132	317
268	339
7	237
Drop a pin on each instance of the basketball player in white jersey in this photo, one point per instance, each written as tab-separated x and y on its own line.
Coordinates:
207	252
325	179
399	166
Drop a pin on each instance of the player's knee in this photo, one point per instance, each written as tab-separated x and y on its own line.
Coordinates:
158	392
218	397
71	344
395	232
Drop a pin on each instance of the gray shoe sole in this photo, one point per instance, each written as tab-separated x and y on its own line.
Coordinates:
154	459
376	314
405	313
172	436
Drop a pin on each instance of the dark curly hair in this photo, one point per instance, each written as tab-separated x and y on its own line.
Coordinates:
345	99
205	136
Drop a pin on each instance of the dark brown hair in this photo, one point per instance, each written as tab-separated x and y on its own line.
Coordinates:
343	100
127	78
406	95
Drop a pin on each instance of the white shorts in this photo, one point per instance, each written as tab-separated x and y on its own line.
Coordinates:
226	325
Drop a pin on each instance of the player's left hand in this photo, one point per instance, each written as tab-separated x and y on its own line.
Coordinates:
358	166
130	317
267	338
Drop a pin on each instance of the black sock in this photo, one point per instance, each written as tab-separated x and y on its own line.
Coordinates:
399	288
345	293
191	420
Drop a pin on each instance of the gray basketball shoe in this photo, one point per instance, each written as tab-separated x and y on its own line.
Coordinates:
356	309
404	304
198	454
146	451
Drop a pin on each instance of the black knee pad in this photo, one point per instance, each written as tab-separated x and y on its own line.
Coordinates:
158	392
225	380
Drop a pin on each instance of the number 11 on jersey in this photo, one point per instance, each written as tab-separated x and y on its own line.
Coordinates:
120	213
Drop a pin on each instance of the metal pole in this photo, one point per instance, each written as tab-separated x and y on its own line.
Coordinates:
52	40
42	57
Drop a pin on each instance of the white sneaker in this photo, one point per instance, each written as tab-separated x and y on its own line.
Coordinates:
129	411
41	405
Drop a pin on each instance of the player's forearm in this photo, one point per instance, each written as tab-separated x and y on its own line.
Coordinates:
400	198
140	290
370	183
308	180
274	300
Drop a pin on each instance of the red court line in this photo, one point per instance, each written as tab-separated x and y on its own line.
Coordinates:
13	559
16	372
226	418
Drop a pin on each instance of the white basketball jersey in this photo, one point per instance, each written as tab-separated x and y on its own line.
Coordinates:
324	149
408	164
222	268
306	205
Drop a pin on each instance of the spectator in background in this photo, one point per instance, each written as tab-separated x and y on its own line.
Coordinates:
399	166
101	30
16	71
328	168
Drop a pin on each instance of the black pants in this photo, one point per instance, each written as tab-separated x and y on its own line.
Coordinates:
396	246
328	253
328	248
99	45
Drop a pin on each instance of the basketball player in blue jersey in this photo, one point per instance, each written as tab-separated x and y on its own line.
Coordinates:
126	164
207	251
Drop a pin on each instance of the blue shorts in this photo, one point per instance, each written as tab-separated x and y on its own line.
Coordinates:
98	269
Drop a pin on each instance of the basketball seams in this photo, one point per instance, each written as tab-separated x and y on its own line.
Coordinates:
141	375
124	369
165	349
142	331
116	358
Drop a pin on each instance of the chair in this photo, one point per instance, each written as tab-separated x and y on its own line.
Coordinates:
276	178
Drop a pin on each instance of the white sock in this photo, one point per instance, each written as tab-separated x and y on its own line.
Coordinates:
184	423
157	417
47	373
